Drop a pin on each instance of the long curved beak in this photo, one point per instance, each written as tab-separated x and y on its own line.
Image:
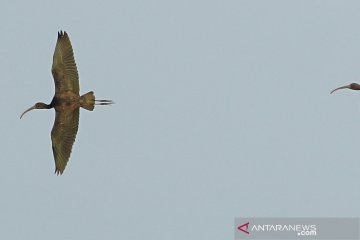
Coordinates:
28	110
346	86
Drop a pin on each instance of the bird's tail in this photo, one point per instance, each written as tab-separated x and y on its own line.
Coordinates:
87	101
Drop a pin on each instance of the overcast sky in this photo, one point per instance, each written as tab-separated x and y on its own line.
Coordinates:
222	110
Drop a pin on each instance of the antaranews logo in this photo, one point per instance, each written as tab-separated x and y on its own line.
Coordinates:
297	228
244	228
300	229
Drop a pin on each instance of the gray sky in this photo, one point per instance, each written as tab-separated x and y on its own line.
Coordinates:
222	110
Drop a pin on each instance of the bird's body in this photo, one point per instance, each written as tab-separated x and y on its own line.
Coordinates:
66	102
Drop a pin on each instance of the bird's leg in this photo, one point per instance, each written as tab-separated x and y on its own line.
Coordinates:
103	102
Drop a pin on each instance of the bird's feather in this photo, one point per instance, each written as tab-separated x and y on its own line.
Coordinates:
64	69
63	135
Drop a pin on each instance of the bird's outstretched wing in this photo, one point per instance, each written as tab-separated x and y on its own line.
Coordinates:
64	68
63	136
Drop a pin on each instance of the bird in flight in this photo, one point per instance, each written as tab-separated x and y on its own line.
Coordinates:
352	86
66	102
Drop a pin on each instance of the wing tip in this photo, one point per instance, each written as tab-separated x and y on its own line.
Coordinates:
62	34
58	171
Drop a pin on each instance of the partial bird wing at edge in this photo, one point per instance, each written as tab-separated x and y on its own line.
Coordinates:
63	136
64	69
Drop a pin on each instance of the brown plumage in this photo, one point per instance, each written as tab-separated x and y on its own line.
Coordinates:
66	102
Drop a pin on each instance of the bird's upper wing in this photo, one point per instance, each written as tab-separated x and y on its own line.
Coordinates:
64	68
63	136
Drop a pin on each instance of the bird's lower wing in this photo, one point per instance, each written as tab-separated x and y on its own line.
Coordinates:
63	136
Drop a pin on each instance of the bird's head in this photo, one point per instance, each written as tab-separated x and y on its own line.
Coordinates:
38	105
352	86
